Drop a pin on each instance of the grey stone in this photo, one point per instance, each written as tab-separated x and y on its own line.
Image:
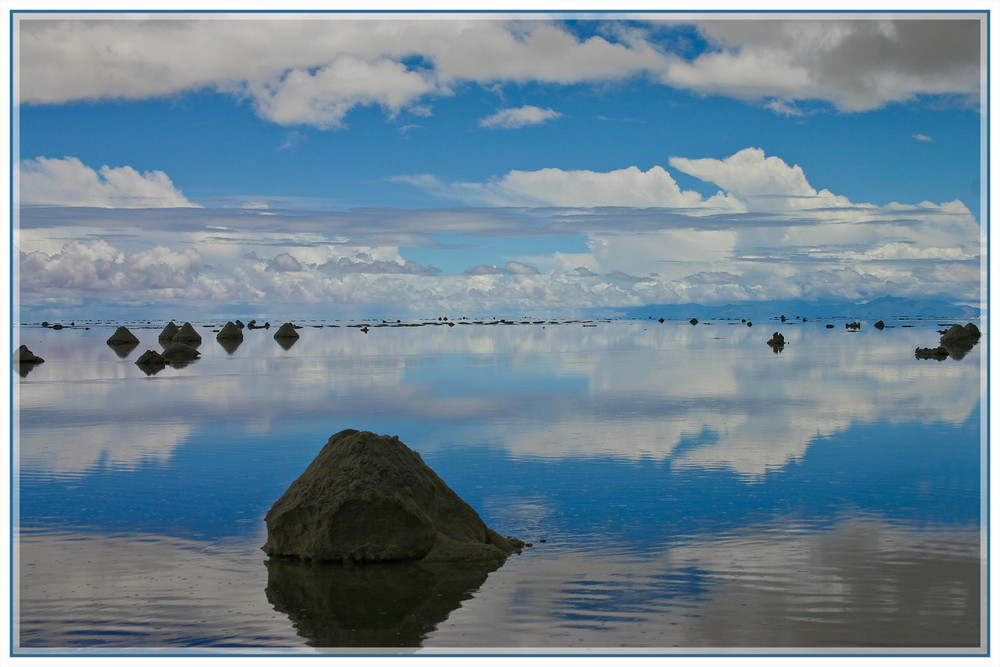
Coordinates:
369	498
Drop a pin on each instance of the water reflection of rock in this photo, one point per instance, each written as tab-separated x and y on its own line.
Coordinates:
371	605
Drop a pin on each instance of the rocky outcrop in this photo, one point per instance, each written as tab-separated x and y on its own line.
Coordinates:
151	362
956	342
23	355
286	330
370	498
180	353
122	336
169	331
230	332
187	334
959	335
777	341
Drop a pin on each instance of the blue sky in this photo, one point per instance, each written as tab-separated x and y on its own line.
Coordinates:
463	164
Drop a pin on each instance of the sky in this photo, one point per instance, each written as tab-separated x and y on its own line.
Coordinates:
454	164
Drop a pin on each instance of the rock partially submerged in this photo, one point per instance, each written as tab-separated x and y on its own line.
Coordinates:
179	352
286	330
169	331
777	341
368	497
23	355
956	342
122	336
230	332
187	334
151	362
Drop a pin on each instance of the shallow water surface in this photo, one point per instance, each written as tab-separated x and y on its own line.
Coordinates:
685	489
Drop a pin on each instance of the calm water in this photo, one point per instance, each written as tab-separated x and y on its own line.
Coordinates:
686	489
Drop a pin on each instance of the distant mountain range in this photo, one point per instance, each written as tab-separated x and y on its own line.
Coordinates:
884	308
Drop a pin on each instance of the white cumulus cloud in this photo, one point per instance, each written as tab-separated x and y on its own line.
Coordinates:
69	182
509	119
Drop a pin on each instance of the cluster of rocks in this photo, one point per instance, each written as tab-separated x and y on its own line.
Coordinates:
955	342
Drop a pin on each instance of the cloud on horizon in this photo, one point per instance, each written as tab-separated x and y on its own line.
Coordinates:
767	234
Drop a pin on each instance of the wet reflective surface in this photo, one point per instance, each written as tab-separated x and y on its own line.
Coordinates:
685	487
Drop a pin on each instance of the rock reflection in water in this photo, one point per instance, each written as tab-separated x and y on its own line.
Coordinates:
371	605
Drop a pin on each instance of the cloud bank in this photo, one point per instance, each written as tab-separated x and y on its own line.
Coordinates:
313	71
766	234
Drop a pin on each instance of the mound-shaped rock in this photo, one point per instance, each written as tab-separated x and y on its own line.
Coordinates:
286	330
187	334
959	335
122	336
169	332
368	497
230	332
179	352
23	355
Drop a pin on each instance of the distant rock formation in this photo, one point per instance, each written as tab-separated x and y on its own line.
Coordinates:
230	332
879	325
777	341
286	330
122	336
938	353
187	334
956	342
23	355
180	352
368	497
151	362
169	332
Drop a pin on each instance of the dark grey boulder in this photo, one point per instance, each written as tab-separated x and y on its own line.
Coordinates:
370	498
151	362
286	330
230	332
169	332
957	334
180	352
187	334
777	341
122	336
23	355
959	340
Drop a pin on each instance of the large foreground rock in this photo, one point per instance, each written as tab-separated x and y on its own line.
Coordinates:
369	497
